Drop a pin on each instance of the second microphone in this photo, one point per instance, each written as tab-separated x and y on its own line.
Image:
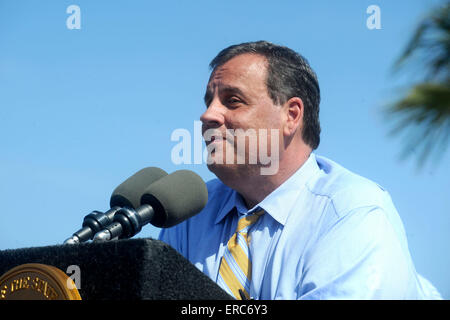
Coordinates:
165	203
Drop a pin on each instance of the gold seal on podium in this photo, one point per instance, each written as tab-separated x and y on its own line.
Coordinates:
34	281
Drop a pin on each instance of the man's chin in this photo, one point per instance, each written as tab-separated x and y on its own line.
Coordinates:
230	174
218	168
224	172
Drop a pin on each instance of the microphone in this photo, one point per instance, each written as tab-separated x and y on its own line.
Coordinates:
127	194
165	203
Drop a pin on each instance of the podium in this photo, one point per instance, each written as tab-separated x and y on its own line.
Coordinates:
131	269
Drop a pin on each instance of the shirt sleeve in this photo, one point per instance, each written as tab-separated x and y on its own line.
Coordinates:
360	257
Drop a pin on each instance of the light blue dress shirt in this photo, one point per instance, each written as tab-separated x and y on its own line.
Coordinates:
327	234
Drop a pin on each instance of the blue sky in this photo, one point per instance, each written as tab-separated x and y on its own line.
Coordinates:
81	110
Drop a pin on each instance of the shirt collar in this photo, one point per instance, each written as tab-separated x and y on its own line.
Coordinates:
279	203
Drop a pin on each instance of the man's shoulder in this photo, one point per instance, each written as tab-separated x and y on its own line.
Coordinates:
345	189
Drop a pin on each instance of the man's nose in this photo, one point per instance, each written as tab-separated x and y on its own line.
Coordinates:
213	117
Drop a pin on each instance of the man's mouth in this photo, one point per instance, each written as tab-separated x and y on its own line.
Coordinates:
212	136
214	139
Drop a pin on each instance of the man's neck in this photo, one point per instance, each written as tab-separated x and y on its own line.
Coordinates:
257	186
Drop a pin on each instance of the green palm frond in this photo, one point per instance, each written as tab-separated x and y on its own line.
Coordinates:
424	111
430	44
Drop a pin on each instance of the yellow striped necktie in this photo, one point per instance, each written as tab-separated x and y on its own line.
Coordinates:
235	267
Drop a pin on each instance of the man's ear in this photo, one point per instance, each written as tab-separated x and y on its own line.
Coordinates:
294	111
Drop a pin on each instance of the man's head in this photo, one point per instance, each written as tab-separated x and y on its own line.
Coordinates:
288	75
261	86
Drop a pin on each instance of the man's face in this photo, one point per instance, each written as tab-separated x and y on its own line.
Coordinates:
237	98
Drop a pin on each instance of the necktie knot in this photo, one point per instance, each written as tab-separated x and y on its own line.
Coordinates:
247	221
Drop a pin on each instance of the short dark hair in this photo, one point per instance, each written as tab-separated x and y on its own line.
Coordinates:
288	75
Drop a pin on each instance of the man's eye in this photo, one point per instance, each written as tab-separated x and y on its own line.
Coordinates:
233	100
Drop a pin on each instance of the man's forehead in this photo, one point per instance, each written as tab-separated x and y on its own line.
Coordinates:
239	69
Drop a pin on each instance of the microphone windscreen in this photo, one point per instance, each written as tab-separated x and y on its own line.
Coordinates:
128	194
175	198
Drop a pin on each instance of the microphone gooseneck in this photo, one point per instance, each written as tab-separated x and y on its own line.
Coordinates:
92	223
127	223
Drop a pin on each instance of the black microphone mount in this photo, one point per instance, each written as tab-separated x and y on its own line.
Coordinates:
93	223
126	223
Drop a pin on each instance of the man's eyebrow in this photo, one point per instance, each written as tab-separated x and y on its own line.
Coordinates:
231	89
222	89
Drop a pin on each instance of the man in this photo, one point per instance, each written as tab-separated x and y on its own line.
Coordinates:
309	230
